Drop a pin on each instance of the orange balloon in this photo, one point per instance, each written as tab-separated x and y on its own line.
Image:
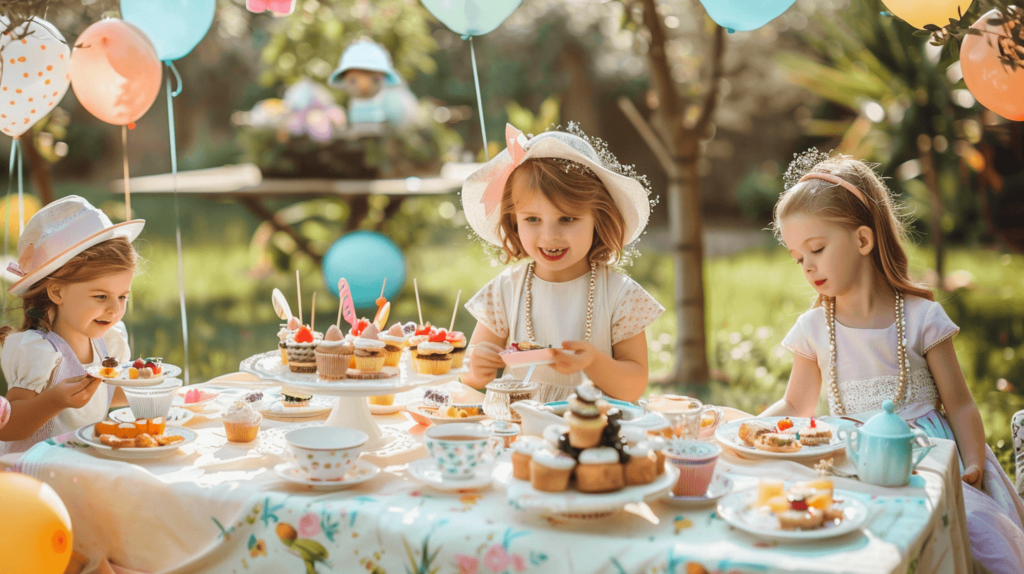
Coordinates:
36	527
993	83
115	72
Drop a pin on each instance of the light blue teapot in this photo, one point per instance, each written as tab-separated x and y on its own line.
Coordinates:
885	450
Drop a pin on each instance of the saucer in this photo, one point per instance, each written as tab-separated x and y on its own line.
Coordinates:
720	486
360	472
177	416
385	409
425	470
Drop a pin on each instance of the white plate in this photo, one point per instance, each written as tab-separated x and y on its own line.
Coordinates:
719	487
179	400
418	410
728	435
86	435
360	472
425	470
531	358
572	502
385	409
176	416
273	407
737	510
167	371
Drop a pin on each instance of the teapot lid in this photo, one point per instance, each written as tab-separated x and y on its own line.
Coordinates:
887	423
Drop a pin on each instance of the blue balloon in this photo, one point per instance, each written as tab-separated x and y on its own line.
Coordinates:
174	26
745	15
472	17
364	259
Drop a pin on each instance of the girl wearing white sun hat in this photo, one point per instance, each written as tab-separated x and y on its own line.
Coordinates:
571	210
74	270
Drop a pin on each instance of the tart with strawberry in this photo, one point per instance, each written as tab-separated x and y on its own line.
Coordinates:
458	341
434	356
146	368
301	350
421	334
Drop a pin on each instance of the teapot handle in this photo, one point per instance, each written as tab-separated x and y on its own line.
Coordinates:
922	450
852	436
643	405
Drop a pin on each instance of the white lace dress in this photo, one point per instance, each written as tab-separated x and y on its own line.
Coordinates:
622	308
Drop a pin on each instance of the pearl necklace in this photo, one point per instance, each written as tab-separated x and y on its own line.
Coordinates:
529	299
901	352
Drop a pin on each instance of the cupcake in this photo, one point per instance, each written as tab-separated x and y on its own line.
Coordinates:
657	446
434	357
241	422
642	466
369	354
413	344
522	454
599	470
395	339
301	351
550	470
295	399
586	422
333	355
381	400
458	341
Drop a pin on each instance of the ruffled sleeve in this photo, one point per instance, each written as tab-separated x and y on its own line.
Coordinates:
28	360
488	305
798	340
116	340
937	327
635	310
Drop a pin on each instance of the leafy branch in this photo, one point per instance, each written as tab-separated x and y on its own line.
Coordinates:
1010	39
19	12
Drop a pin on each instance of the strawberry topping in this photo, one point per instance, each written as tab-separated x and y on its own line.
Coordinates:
438	336
424	329
361	325
304	335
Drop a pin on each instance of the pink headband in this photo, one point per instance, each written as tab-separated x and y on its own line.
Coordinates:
837	181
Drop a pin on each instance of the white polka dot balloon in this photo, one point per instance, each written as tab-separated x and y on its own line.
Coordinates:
35	74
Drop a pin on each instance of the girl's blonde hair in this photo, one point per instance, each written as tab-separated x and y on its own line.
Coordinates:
572	188
106	258
838	205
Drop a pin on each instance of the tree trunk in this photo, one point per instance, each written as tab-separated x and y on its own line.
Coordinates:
927	159
688	250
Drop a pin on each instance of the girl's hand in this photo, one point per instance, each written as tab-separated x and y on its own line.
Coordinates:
973	476
76	392
484	362
569	363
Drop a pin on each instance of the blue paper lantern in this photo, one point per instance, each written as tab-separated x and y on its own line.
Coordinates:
471	17
364	259
174	26
745	15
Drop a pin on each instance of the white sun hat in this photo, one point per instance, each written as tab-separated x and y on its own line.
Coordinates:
482	190
57	233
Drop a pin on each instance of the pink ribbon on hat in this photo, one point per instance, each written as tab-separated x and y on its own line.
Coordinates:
496	187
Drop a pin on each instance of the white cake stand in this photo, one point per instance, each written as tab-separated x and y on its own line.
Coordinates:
351	410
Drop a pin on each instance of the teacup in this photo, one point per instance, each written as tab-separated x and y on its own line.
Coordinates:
683	414
459	448
695	460
325	453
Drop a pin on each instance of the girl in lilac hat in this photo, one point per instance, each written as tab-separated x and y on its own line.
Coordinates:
75	271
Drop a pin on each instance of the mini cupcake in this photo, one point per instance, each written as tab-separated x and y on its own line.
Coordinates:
413	344
458	341
333	355
282	336
642	466
370	351
395	339
241	422
381	400
600	470
550	470
586	422
295	399
522	454
657	446
301	351
433	357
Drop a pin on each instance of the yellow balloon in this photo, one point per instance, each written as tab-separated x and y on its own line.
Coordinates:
32	205
35	527
918	13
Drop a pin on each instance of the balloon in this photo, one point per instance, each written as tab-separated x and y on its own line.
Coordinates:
276	7
992	82
115	72
365	258
472	17
745	15
35	74
174	26
918	13
36	527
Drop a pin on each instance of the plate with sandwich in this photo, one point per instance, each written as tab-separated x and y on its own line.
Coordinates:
782	437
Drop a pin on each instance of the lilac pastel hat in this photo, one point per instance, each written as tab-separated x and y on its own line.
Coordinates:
57	233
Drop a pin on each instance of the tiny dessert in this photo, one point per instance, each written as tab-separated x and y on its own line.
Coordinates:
381	400
436	398
778	442
434	357
333	355
460	412
295	399
241	422
108	368
805	506
254	398
286	332
554	434
143	433
193	396
658	446
145	368
522	454
586	422
301	350
815	434
420	334
599	470
642	466
395	338
458	341
369	351
750	430
550	470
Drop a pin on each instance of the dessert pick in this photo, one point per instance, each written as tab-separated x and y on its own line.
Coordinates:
383	309
284	312
298	290
457	297
345	307
312	314
417	290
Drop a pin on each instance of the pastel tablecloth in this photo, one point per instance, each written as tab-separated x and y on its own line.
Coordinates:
217	507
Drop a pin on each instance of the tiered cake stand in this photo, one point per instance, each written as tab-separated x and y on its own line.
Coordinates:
351	410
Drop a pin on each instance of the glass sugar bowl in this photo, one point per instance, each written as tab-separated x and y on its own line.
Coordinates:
502	393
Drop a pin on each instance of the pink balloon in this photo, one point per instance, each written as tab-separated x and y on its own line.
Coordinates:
993	83
115	72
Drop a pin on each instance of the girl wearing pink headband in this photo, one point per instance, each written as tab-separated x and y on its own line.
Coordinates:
874	335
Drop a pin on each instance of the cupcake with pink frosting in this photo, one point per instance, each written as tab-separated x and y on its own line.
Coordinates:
394	340
333	355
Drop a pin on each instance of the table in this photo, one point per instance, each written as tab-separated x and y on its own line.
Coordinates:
217	507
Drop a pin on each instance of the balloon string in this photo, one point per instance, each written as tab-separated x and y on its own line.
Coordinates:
479	99
127	187
177	76
177	213
21	192
7	217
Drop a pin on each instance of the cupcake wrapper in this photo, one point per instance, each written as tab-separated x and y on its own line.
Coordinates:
370	364
391	358
331	366
432	366
382	400
297	367
284	353
242	431
458	355
694	478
